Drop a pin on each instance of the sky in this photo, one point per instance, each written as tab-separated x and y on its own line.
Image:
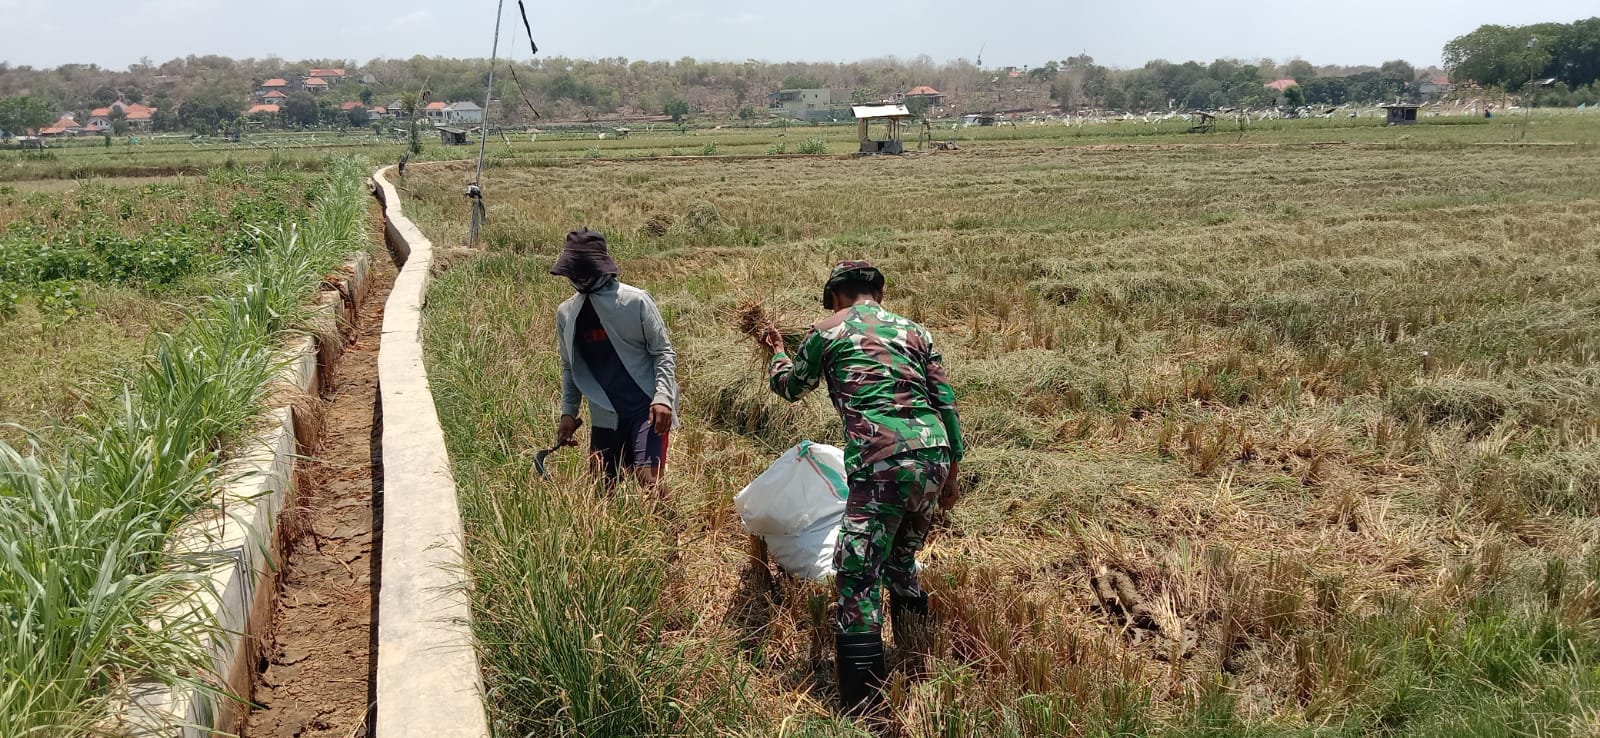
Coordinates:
1120	33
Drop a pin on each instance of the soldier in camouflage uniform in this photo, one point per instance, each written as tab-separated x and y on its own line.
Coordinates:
902	454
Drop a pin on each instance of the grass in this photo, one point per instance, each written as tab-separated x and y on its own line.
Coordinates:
1332	412
88	275
91	591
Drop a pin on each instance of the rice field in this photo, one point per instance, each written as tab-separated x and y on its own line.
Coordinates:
1266	440
91	593
164	155
89	273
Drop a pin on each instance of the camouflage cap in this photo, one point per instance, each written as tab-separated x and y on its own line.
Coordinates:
846	272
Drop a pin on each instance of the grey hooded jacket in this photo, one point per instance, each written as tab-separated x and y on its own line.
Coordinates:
640	337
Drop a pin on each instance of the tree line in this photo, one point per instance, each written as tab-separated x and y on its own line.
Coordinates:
1528	58
1078	83
207	93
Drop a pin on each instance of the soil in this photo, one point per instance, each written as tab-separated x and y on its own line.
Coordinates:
315	674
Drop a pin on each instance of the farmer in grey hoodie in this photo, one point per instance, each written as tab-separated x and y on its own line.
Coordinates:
616	354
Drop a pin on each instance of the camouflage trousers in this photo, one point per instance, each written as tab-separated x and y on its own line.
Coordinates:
886	521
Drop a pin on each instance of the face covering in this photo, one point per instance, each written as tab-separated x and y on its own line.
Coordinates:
589	285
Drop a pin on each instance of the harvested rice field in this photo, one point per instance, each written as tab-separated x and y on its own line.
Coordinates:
1273	440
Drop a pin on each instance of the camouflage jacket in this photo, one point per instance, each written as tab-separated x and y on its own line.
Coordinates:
886	379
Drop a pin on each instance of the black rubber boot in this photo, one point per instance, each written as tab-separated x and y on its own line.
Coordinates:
861	672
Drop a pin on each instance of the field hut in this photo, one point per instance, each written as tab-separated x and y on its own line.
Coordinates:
1204	122
452	136
1401	114
892	116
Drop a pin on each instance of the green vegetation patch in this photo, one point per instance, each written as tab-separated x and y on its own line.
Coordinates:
89	273
90	590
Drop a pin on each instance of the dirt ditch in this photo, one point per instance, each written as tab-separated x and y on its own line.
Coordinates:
315	674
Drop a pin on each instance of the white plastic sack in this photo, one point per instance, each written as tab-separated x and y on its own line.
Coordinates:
804	486
796	506
807	554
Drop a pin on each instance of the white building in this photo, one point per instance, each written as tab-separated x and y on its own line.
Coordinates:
463	112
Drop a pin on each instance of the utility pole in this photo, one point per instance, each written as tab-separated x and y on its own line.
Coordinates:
1527	102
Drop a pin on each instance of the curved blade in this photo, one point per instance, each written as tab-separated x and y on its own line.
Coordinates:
538	462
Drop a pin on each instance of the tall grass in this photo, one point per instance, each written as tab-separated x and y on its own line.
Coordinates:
90	591
567	580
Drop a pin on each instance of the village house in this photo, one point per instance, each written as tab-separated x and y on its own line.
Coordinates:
933	97
137	116
1436	87
436	113
65	126
808	104
314	85
463	112
276	84
262	109
346	108
331	76
1279	85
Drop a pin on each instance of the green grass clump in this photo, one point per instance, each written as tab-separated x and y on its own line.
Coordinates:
91	593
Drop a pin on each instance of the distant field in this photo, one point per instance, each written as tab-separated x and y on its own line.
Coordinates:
1333	411
168	154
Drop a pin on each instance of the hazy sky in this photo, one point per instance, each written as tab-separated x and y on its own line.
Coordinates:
115	33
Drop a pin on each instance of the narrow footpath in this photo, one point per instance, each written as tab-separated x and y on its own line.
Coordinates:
315	674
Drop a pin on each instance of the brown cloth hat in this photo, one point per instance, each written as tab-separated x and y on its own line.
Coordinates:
584	256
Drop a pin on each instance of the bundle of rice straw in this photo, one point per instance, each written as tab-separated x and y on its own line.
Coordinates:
755	321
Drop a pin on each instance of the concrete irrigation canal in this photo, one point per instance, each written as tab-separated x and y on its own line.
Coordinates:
339	596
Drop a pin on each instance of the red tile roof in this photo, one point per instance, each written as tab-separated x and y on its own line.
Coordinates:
352	105
924	90
436	106
327	72
315	82
276	82
1282	84
62	125
273	95
100	113
138	112
262	108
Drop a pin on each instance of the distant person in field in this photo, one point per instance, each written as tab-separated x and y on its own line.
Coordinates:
902	455
615	353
